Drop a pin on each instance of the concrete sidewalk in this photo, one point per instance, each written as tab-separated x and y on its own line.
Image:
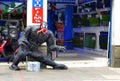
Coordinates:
82	67
72	74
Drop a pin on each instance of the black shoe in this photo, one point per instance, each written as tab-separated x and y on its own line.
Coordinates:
14	67
60	67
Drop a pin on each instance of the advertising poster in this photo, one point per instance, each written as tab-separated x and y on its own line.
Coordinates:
60	33
36	12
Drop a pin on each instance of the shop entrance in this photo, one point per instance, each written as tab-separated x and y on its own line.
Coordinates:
87	35
83	27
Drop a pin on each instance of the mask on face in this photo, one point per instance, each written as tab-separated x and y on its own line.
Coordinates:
43	28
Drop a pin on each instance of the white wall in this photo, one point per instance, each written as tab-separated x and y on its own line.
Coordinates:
116	22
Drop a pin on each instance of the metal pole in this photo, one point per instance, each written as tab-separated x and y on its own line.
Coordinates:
76	2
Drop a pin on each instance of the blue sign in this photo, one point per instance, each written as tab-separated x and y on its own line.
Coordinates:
37	3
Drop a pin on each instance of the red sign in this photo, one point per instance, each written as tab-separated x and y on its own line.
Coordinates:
37	15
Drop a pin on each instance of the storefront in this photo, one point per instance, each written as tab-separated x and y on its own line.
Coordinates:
77	24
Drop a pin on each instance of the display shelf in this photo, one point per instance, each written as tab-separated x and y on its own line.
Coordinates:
96	31
91	29
91	12
92	51
98	10
97	17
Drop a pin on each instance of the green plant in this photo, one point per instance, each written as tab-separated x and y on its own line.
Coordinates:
94	21
90	40
105	17
77	42
84	21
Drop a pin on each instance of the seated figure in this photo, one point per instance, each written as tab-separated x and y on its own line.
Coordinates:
34	37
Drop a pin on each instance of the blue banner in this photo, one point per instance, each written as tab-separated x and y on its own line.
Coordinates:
14	0
84	1
62	1
68	29
52	1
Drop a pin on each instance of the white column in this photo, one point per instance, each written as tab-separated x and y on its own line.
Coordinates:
45	10
29	12
116	22
97	41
